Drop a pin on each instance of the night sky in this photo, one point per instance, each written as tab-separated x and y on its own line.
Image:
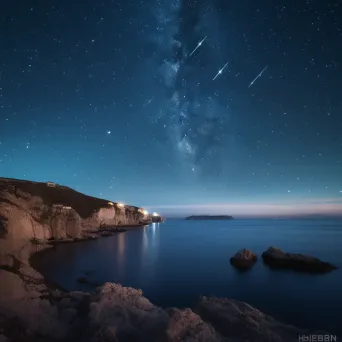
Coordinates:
110	98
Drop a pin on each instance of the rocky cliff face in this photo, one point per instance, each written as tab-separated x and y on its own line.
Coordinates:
34	212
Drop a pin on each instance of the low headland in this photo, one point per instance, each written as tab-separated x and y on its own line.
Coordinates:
34	216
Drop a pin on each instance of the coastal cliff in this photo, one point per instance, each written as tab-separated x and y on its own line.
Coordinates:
40	212
31	216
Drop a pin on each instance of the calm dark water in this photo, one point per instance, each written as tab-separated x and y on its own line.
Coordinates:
176	261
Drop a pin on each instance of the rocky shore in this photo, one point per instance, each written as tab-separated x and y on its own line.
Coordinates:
31	309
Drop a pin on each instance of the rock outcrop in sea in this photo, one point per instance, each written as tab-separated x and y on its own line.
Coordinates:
276	258
244	259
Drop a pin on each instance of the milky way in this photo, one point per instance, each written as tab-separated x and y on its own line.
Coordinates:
114	99
196	119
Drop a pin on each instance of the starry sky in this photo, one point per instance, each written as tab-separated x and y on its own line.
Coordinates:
179	106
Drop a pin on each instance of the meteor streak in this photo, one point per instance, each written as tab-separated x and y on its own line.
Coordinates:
198	45
149	101
263	70
220	71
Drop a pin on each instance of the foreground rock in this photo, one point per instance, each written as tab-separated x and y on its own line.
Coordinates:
241	322
243	259
23	311
29	311
276	258
123	314
185	325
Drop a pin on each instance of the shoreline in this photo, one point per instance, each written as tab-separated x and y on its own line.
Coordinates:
204	315
50	246
35	218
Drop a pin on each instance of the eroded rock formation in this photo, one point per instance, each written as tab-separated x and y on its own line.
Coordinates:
32	212
242	322
29	311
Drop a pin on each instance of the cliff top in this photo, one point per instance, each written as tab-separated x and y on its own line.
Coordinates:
52	193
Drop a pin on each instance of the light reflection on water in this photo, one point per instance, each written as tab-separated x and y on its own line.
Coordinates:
176	261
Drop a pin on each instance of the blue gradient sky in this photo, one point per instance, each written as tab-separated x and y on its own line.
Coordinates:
104	97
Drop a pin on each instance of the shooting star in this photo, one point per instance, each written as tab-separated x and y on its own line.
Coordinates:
198	45
149	101
220	71
263	70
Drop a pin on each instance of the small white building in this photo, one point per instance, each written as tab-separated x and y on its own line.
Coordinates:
110	203
61	206
51	184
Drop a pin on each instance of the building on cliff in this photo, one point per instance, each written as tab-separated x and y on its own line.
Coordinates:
61	206
51	184
36	211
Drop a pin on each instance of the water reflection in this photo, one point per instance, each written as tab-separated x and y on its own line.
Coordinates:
155	227
150	252
145	241
176	261
120	247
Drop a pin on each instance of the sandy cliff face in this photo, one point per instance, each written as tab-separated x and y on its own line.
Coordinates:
64	223
38	213
19	226
111	216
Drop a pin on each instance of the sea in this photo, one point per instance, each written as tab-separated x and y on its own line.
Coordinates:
177	261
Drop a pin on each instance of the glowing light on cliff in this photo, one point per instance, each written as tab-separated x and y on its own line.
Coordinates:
120	205
155	214
143	211
110	203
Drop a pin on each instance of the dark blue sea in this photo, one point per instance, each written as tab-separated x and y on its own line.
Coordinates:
177	261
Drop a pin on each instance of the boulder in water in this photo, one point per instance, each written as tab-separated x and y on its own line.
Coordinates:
244	259
276	258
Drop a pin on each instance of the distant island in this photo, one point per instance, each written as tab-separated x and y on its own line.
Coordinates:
210	217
